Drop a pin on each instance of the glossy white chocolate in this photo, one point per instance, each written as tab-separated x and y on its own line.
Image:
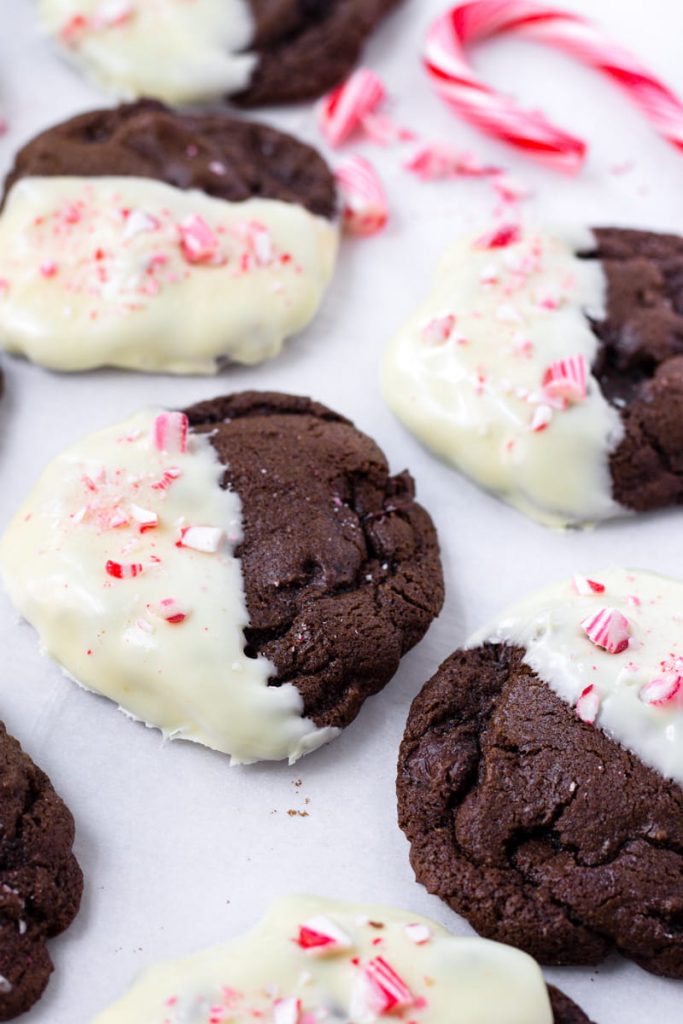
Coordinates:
97	272
191	678
474	396
179	51
548	626
267	976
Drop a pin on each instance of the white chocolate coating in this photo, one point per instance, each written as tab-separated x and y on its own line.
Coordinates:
548	625
190	678
97	271
474	396
179	51
450	979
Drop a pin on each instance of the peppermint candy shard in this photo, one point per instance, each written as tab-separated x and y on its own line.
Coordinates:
588	705
584	587
343	109
123	571
382	990
661	690
144	517
198	243
170	432
418	933
201	538
608	629
365	211
287	1011
499	238
169	609
322	937
567	379
541	419
438	330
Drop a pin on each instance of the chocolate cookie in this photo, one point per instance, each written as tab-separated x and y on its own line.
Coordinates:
40	881
560	349
539	778
360	963
264	565
257	51
157	240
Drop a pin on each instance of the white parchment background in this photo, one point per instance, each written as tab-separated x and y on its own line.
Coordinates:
179	851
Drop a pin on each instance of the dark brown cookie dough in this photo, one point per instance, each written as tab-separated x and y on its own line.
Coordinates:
341	565
224	157
640	364
535	826
306	47
564	1010
40	881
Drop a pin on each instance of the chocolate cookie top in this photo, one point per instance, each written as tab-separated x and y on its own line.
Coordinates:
246	584
40	881
153	240
312	960
261	51
222	156
511	760
561	350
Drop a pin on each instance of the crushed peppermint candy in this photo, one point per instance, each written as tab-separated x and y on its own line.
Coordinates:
206	539
198	243
170	432
365	210
567	380
588	705
320	936
500	237
343	110
437	161
661	690
123	571
608	629
170	609
380	990
418	933
584	587
438	330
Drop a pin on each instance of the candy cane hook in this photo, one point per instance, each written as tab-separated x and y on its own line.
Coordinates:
457	83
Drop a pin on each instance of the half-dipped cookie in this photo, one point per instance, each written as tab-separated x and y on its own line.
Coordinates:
257	51
149	239
40	880
540	777
243	574
312	960
546	365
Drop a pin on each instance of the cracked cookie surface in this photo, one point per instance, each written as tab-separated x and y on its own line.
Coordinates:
40	880
537	827
341	566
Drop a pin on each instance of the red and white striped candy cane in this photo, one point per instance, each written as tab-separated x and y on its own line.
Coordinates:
499	115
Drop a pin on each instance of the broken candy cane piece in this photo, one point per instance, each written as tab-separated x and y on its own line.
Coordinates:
584	586
382	130
145	519
608	629
379	990
170	432
418	933
123	571
198	243
588	705
435	161
541	418
499	238
170	475
365	210
200	538
567	379
661	690
343	109
438	330
173	611
321	937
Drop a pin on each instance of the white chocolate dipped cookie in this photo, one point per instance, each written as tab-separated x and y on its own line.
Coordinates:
540	777
217	574
544	366
186	51
171	244
312	960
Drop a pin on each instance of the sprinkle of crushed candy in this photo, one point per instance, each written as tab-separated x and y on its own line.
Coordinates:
342	111
418	933
567	379
206	539
584	587
320	936
365	210
500	238
661	690
171	610
122	571
608	629
170	432
438	330
588	705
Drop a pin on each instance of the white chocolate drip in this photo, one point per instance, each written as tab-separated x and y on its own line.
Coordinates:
179	51
268	976
466	374
92	561
645	719
135	273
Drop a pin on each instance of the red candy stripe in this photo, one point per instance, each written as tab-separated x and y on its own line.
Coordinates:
343	110
364	205
170	432
608	629
457	83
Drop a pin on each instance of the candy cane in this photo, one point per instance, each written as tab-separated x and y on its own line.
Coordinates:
457	83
